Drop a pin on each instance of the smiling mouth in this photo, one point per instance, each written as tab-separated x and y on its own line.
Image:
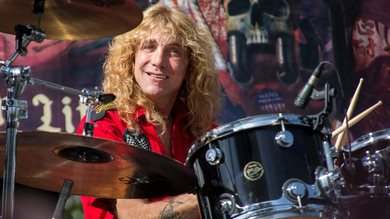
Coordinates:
158	76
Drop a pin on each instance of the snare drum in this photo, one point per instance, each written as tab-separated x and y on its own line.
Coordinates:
369	175
261	166
371	157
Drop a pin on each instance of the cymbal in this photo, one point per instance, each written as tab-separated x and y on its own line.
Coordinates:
72	20
97	167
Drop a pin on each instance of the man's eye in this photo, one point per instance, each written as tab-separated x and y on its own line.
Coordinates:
148	46
175	50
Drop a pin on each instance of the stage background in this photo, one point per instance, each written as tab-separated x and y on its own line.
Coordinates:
278	43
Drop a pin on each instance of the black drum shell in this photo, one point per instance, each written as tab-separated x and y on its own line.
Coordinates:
255	144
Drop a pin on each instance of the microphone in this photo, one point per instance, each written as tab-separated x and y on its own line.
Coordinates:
304	95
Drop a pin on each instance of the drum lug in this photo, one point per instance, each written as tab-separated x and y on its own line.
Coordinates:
284	139
225	205
295	189
214	156
374	166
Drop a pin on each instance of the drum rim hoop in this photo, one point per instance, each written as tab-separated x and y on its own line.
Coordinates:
370	138
243	124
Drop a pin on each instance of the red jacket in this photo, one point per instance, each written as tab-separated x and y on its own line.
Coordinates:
111	127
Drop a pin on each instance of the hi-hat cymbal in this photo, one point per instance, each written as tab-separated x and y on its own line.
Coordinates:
72	20
97	167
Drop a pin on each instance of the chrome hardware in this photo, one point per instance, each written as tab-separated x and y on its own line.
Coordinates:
328	180
328	155
284	138
225	204
295	189
213	156
374	165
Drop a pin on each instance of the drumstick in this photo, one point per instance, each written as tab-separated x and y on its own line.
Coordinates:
349	113
356	119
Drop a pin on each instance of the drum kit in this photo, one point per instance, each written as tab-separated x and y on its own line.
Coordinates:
244	171
283	166
265	166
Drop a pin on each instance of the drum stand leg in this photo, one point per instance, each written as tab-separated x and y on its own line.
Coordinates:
64	195
16	109
16	79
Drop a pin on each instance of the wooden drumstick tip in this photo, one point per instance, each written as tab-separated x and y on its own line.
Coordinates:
351	107
356	119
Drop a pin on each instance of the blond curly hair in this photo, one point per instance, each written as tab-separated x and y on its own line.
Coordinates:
200	90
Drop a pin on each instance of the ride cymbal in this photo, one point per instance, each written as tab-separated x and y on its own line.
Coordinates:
72	20
97	167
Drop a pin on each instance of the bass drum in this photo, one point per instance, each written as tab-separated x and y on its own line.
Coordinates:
261	166
368	176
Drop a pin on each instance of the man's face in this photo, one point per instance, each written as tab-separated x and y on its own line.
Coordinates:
160	67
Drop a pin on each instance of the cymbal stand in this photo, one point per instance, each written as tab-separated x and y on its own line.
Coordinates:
87	97
90	98
87	100
16	79
16	109
63	197
24	36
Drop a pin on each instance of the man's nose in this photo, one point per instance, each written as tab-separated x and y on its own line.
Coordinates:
159	58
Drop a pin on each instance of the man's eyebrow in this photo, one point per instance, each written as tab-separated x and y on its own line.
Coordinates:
175	44
172	43
149	41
